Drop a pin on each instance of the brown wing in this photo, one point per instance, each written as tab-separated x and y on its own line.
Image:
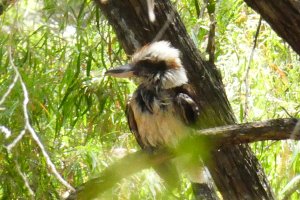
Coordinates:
132	124
185	104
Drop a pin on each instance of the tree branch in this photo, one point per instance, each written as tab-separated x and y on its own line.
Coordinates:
275	129
122	168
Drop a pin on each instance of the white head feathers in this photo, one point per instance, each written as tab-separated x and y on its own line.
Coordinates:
175	74
159	51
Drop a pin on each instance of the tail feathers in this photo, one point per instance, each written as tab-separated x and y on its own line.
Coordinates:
203	191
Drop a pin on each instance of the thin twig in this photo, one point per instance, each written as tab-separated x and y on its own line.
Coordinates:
6	131
246	80
30	128
11	86
24	179
16	140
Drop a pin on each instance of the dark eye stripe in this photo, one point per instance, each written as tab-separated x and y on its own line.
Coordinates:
147	67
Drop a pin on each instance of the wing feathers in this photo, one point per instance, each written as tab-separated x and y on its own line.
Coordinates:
187	108
185	105
132	125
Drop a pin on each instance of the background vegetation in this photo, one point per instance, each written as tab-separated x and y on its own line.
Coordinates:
62	49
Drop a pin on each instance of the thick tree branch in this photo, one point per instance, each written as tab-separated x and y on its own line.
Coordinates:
276	129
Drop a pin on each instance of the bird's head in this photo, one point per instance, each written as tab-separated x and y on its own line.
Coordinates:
157	64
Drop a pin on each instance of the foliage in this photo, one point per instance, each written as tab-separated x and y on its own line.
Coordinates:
62	48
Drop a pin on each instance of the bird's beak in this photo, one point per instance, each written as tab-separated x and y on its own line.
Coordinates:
124	71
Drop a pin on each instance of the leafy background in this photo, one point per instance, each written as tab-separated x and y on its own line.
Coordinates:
62	49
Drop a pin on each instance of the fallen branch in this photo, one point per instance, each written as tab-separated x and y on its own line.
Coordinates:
276	129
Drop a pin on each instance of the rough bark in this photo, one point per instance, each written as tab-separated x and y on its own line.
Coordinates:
283	16
276	129
235	169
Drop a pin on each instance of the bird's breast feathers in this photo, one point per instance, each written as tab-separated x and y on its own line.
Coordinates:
157	118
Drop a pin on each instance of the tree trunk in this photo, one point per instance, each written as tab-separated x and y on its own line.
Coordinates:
283	16
235	170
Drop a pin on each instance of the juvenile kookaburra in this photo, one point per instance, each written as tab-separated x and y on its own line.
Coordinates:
162	109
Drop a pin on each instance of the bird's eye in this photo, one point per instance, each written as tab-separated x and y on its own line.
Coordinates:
152	64
148	68
144	66
145	62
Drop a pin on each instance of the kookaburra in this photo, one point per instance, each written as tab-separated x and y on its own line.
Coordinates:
162	109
